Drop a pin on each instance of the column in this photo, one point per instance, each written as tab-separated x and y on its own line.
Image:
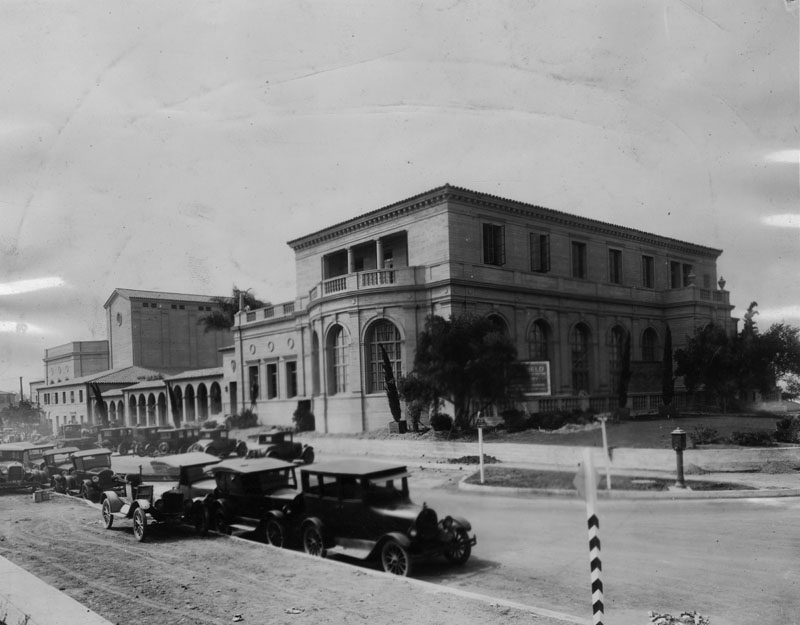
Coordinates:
379	253
350	261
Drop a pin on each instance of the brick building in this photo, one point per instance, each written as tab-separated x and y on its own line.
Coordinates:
567	289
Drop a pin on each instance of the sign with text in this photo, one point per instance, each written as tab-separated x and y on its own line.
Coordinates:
539	383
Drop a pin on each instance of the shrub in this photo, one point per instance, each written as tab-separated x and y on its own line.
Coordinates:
787	430
304	420
514	420
754	438
246	419
704	435
441	422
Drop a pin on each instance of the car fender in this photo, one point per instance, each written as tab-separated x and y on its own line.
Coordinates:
144	504
278	515
113	499
398	537
461	523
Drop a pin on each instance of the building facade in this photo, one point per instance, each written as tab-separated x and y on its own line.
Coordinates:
161	331
75	360
566	289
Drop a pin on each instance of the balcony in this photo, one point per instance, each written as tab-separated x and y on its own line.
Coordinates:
366	280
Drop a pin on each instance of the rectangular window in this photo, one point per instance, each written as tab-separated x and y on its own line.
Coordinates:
80	396
64	397
55	397
675	279
494	247
291	378
72	397
648	272
615	266
47	398
540	252
706	281
252	373
578	259
688	275
272	381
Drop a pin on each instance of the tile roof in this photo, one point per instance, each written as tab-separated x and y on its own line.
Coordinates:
195	373
126	375
160	295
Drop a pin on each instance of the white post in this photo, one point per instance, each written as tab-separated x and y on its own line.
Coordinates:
603	419
480	444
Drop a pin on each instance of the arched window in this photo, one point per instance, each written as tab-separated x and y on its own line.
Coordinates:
579	348
615	348
649	345
337	360
384	334
538	337
499	323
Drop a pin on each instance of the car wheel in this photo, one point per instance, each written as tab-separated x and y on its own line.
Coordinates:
308	455
123	449
108	516
312	541
220	522
395	558
85	492
459	550
276	535
139	524
150	450
59	487
163	448
195	447
139	450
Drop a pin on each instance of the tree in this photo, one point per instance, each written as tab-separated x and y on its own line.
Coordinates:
223	318
391	386
667	373
711	360
468	361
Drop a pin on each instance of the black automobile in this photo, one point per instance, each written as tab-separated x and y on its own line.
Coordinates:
254	495
118	439
169	490
280	444
218	441
90	475
55	462
362	508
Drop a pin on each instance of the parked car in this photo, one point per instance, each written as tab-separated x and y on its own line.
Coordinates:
90	476
280	444
57	461
174	440
145	439
254	495
171	491
364	508
13	474
118	439
31	456
78	435
218	441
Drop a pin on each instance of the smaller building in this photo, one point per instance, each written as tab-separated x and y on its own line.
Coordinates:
75	360
7	399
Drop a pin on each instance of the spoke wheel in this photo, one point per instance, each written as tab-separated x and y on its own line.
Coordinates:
122	450
221	522
395	558
163	448
85	493
139	524
108	516
276	535
459	550
312	541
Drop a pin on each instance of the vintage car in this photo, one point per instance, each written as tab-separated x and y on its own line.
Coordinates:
57	461
254	495
31	456
173	440
362	508
217	441
78	435
91	474
171	491
118	439
280	444
145	439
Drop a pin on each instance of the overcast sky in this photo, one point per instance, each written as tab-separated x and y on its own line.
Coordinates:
177	146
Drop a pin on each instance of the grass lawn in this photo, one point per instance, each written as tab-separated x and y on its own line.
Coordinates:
528	478
647	433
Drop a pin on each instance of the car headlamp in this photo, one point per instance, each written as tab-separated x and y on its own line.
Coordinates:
95	479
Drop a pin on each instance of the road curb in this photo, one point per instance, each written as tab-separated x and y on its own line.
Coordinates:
633	494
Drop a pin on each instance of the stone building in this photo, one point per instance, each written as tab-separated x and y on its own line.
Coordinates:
567	290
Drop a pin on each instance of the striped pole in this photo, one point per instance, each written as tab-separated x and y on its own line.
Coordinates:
590	493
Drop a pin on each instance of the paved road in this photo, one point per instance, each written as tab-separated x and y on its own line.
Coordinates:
732	560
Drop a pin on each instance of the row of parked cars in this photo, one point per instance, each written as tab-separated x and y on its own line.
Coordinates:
360	508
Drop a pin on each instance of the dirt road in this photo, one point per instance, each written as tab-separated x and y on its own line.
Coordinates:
179	578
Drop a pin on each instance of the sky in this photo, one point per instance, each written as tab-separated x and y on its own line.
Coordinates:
177	146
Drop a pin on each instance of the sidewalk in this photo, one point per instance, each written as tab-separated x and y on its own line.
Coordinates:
24	596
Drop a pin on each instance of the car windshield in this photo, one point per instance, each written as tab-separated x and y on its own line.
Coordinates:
94	462
57	458
384	491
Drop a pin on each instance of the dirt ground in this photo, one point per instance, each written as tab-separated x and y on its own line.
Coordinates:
176	577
